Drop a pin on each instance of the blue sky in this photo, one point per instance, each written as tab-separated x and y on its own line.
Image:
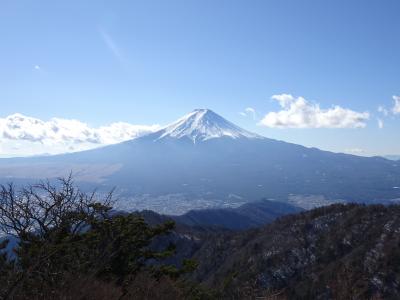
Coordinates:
149	62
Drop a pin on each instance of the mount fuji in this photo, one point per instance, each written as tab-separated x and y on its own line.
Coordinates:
201	125
203	161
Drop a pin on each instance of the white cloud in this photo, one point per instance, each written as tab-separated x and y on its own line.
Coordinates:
395	110
300	113
396	107
249	111
25	135
36	67
380	123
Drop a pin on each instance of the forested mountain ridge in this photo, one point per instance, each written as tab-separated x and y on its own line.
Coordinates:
66	241
249	215
336	252
342	251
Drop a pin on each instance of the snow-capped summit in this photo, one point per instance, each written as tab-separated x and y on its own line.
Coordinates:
202	125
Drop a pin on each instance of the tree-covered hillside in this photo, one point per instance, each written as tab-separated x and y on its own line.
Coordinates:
60	243
336	252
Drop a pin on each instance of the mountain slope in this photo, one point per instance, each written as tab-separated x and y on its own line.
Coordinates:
335	252
203	161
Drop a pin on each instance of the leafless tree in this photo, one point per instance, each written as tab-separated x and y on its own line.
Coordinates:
43	207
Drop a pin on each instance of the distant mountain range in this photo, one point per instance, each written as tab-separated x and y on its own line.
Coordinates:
249	215
204	161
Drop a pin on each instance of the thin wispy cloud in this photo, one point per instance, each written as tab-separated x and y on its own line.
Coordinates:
386	112
355	151
396	107
380	123
383	110
37	67
112	45
249	111
301	113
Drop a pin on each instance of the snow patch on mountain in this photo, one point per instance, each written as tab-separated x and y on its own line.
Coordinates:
202	125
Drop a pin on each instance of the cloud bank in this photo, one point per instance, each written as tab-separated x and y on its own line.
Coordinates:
56	135
300	113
